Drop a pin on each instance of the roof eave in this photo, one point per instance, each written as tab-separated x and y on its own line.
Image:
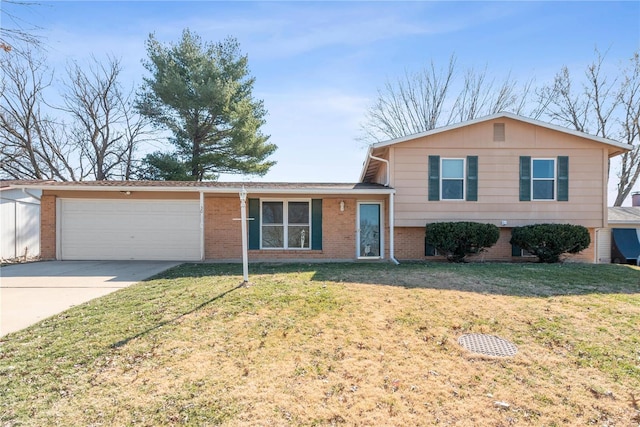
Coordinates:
622	147
213	190
365	167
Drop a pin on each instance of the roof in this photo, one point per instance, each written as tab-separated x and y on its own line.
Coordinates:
6	184
212	187
377	149
624	215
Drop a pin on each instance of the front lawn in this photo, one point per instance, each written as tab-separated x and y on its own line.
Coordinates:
330	344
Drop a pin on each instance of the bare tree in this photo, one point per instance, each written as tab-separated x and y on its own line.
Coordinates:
479	97
15	31
630	130
32	144
422	101
409	105
603	105
98	138
105	127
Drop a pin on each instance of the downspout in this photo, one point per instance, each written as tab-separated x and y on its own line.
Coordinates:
201	226
386	162
391	209
391	230
24	190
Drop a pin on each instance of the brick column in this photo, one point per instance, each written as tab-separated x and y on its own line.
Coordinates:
48	227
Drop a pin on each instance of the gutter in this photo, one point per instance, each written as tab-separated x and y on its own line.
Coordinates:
24	190
218	190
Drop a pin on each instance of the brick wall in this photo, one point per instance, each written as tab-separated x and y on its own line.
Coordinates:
409	245
48	227
223	234
222	238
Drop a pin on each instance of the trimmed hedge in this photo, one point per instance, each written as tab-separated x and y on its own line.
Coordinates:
549	241
456	240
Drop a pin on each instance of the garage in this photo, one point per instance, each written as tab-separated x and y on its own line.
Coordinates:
129	230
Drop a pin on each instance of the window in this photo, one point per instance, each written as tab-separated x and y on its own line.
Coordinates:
543	182
449	180
544	179
452	179
285	224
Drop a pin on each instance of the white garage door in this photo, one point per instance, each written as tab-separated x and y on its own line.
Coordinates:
129	230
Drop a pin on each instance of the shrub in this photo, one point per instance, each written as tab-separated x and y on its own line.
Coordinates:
456	240
549	241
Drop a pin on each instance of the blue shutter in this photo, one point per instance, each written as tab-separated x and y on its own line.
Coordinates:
525	178
316	224
472	178
254	225
563	179
434	178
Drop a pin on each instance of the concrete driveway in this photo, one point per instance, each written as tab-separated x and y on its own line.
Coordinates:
34	291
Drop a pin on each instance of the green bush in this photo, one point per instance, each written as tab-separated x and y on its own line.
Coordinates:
456	240
549	241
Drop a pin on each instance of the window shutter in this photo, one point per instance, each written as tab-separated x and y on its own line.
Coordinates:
316	224
434	178
516	250
525	178
563	178
472	178
254	225
429	250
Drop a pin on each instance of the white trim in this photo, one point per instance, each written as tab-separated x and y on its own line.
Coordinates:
285	223
213	190
555	179
622	147
58	228
380	203
512	116
464	179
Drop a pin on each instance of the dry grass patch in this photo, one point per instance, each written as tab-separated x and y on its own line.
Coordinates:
352	344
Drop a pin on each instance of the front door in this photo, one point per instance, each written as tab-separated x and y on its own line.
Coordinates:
369	236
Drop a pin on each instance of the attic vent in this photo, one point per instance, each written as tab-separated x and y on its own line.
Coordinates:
498	132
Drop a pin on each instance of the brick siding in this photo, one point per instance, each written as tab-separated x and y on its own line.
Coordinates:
222	233
409	245
48	227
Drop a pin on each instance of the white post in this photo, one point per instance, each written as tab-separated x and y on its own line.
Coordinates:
243	220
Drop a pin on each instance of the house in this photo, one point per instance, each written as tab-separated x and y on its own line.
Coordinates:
19	220
502	169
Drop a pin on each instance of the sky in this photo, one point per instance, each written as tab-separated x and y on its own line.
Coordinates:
318	65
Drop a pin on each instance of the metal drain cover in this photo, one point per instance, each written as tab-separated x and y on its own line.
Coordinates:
488	344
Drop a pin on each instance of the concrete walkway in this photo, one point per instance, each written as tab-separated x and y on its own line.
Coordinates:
34	291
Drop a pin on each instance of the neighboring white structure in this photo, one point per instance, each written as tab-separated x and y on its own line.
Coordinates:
19	222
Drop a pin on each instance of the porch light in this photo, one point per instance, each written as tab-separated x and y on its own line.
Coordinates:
341	205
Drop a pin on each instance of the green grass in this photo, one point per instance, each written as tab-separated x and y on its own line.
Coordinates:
325	344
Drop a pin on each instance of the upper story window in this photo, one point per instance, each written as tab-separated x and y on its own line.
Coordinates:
544	179
452	179
543	182
285	224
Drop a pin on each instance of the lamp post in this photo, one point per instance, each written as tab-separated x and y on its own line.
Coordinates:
243	220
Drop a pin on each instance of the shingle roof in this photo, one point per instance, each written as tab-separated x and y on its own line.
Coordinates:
9	183
212	186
